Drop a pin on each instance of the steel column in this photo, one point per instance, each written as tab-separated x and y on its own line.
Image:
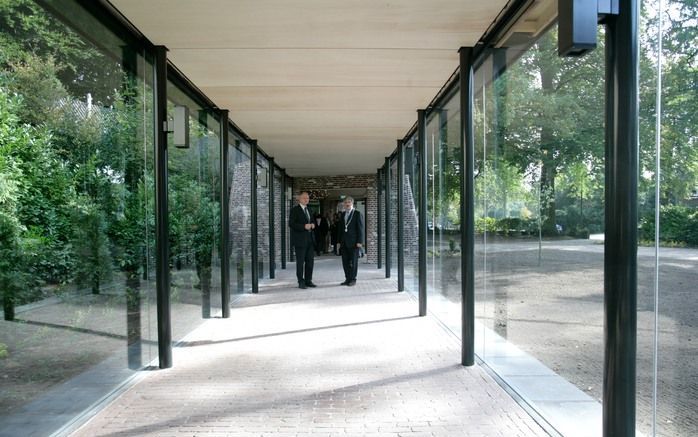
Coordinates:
272	231
283	224
254	268
467	227
422	148
162	246
225	217
620	251
400	217
388	230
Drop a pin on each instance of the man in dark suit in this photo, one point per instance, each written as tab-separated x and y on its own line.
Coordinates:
301	224
350	238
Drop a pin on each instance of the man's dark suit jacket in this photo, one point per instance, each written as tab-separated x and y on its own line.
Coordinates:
354	233
300	237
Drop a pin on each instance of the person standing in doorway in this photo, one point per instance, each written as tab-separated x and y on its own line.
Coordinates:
301	223
320	231
333	233
351	237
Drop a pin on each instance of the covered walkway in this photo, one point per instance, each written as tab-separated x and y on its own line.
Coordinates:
330	361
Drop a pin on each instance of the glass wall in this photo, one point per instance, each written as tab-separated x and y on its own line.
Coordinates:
411	214
277	218
76	213
263	184
668	195
539	223
392	241
240	209
290	203
443	211
193	195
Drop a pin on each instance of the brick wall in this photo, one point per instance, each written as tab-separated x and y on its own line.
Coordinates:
318	185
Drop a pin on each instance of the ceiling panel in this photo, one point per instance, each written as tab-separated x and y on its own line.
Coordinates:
326	86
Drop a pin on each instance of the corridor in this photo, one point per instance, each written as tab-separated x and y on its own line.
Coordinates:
330	361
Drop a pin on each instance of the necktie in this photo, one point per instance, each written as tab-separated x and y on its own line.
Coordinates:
307	216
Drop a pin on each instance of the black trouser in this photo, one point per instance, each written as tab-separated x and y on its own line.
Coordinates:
350	262
304	263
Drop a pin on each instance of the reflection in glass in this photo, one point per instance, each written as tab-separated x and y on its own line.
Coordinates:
263	184
240	244
443	211
411	215
539	193
194	179
393	217
76	213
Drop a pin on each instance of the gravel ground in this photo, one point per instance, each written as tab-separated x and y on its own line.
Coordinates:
54	340
552	308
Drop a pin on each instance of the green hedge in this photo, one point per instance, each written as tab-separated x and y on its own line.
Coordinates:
679	224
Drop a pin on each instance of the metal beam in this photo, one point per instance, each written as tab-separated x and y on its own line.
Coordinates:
620	251
162	246
467	227
400	217
422	196
225	217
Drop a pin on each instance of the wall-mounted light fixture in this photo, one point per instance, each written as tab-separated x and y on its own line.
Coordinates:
179	127
577	24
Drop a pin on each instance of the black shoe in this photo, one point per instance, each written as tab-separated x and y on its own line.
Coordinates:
302	285
310	284
351	283
345	283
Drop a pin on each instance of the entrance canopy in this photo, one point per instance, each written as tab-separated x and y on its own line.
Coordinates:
326	86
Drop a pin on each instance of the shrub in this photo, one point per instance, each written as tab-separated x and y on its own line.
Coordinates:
679	224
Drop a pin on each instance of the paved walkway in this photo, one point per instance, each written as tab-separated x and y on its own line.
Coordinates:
330	361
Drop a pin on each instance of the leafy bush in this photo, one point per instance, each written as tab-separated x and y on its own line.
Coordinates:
679	224
485	224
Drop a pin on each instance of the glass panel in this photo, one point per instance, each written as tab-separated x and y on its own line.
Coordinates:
76	215
443	212
278	224
239	188
667	372
539	220
194	191
290	202
393	218
411	215
263	233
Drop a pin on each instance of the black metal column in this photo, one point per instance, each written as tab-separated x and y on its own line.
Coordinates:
422	260
379	222
225	217
283	223
254	268
620	257
388	230
272	231
467	227
400	217
162	246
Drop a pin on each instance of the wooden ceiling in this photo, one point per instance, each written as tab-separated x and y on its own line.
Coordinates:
326	86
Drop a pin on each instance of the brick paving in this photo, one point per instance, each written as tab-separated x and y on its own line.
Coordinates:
330	361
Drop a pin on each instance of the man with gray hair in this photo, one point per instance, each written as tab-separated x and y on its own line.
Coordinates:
350	238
